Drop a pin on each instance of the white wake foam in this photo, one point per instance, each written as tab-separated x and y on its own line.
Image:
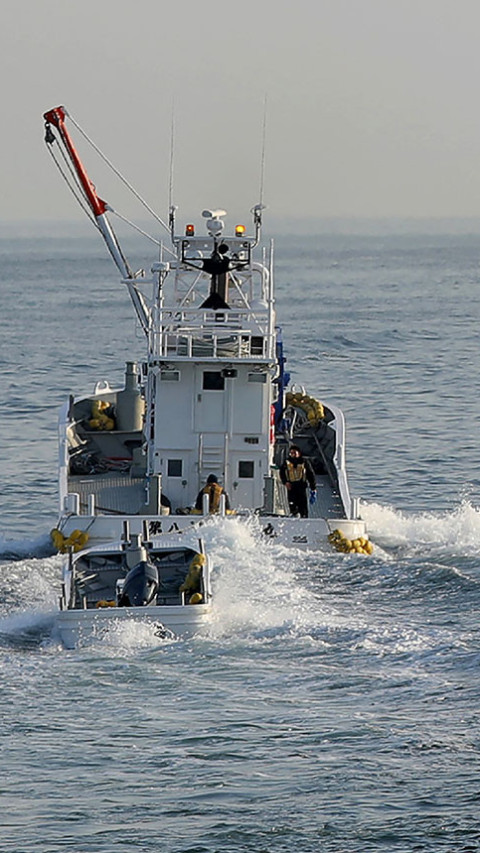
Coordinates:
259	585
29	592
456	531
20	549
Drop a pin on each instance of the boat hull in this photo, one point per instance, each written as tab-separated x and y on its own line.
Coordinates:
75	627
209	420
307	533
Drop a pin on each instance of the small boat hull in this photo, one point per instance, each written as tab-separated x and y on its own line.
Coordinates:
163	584
76	627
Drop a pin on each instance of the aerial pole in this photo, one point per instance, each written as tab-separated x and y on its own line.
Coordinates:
258	209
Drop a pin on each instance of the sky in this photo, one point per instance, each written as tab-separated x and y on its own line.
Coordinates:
371	107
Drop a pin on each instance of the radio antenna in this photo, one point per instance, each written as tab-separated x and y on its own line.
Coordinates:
262	162
172	151
171	206
258	208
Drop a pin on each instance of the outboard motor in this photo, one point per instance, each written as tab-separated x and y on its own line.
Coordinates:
140	586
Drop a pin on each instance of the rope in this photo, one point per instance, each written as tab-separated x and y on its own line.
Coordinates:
140	230
80	198
119	174
77	191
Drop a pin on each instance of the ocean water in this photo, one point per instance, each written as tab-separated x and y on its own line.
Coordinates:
334	704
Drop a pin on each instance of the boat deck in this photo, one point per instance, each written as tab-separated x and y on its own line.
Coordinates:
121	494
328	503
115	494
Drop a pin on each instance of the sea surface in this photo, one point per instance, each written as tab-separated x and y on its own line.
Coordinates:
335	703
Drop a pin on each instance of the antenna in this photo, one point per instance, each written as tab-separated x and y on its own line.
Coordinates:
172	151
258	208
262	161
171	206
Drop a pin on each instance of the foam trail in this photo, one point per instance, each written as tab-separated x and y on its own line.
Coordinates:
29	597
124	637
20	549
255	582
457	531
26	621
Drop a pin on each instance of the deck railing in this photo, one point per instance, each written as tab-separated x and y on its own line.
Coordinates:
232	334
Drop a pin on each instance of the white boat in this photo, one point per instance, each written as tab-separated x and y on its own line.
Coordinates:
163	583
211	398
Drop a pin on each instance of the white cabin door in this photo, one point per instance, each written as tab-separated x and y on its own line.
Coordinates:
246	479
210	423
210	413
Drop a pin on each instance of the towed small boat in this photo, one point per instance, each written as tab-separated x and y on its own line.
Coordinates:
162	583
210	406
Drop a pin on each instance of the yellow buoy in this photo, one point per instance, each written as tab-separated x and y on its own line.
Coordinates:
361	545
77	540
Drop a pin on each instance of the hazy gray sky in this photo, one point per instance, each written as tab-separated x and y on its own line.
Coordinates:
372	105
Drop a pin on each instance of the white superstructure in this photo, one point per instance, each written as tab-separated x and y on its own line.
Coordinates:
211	398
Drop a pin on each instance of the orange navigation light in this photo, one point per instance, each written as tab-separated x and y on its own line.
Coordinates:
190	231
239	230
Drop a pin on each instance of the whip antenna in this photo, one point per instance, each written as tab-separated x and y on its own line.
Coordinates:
262	161
171	206
172	152
258	208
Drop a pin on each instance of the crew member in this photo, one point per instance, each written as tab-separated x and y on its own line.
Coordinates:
214	492
297	474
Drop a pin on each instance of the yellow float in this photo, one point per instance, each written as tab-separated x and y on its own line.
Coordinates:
192	581
340	542
100	419
309	405
76	540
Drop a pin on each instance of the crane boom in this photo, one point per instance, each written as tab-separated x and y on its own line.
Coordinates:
56	117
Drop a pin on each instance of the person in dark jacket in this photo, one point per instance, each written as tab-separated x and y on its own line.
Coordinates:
297	475
214	492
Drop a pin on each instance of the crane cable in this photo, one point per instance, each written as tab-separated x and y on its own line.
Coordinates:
119	174
77	191
73	185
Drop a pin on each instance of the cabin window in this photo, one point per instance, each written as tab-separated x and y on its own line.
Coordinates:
257	377
245	470
170	375
174	467
213	380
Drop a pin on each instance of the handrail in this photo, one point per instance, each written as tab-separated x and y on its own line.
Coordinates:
225	343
